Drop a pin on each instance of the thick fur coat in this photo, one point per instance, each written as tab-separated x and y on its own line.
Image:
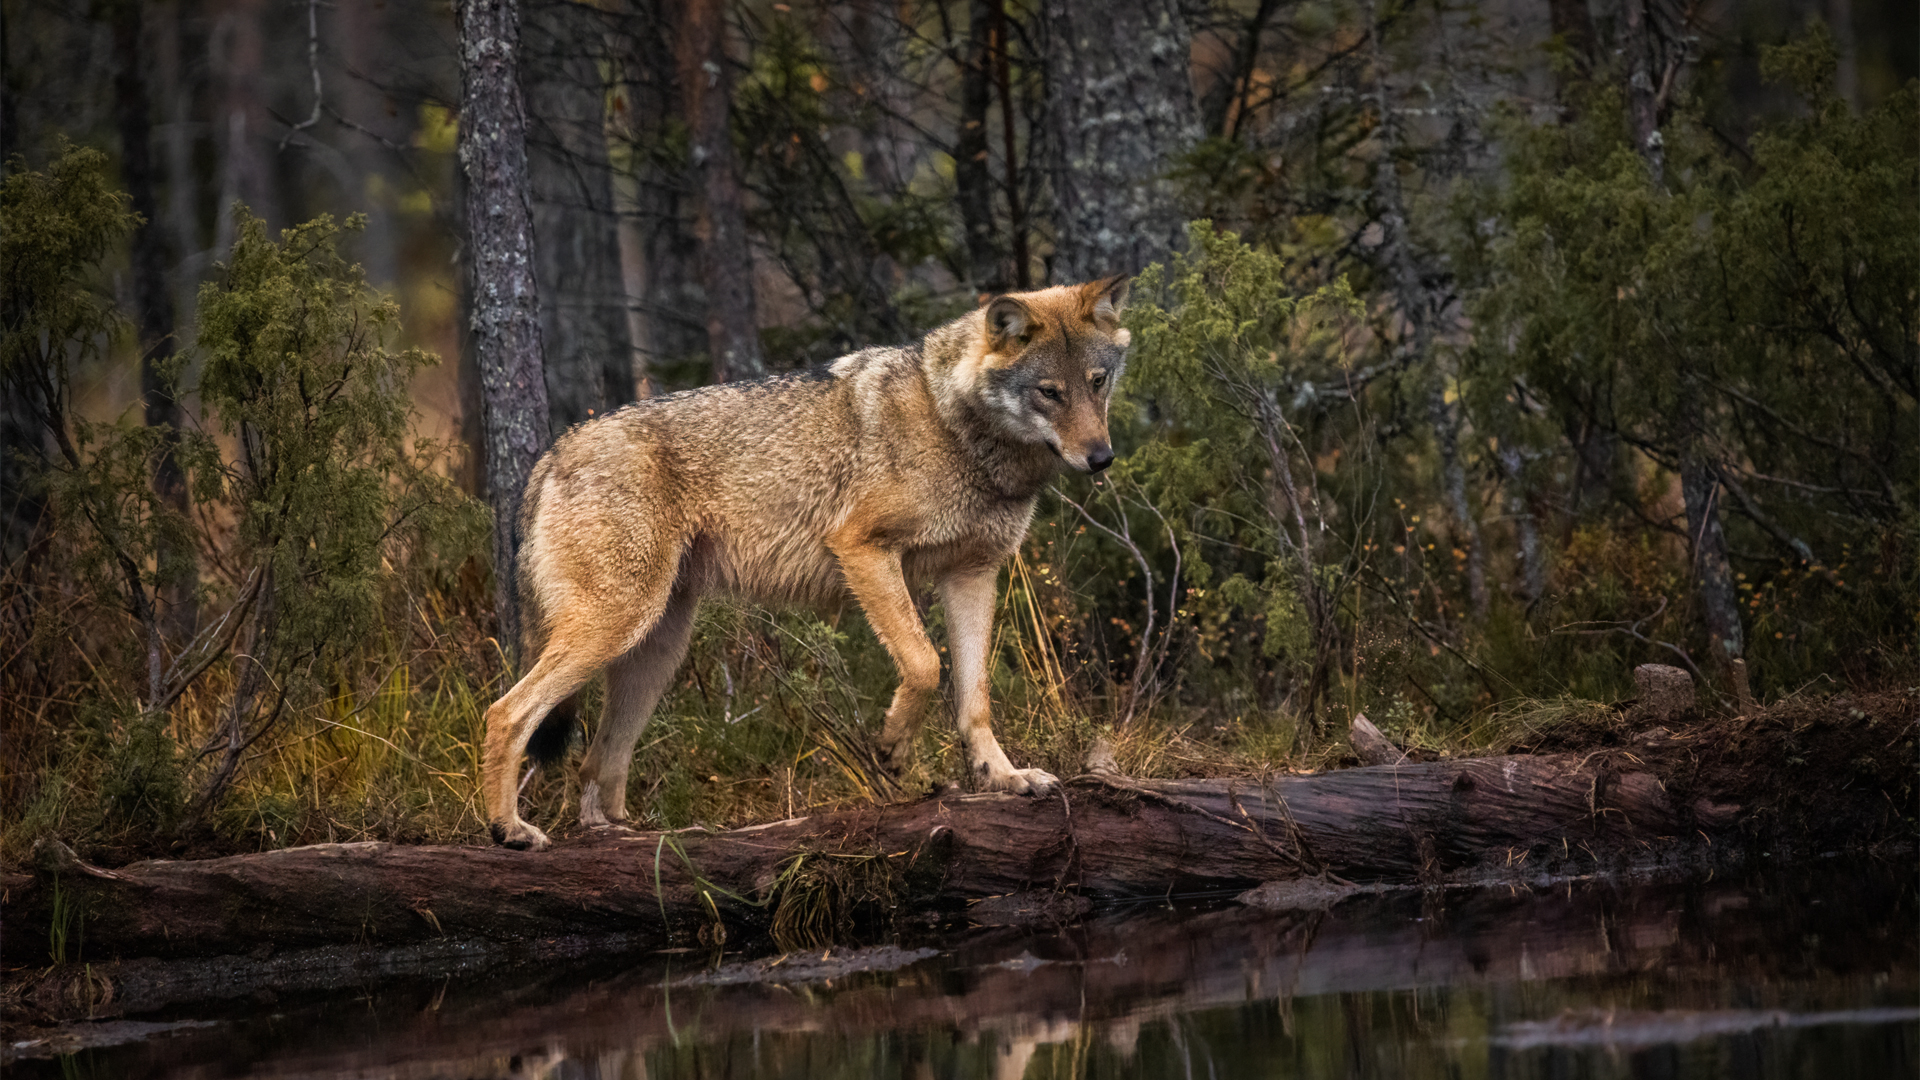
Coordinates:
893	468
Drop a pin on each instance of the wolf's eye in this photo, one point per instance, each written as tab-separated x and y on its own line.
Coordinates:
1048	392
1099	379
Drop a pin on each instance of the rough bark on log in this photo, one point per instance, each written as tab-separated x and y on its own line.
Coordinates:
1107	837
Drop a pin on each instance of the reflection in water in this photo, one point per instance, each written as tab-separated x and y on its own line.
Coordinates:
1809	976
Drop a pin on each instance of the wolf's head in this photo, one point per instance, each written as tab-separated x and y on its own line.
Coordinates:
1046	365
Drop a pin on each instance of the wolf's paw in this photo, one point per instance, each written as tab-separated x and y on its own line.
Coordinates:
593	814
519	836
1035	782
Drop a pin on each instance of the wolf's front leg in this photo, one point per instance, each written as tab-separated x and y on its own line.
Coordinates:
874	576
968	599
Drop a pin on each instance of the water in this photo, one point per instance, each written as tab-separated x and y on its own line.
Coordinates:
1813	973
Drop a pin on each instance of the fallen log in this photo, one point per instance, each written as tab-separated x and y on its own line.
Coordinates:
1106	978
1105	836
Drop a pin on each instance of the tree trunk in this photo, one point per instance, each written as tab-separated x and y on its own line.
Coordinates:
1718	601
726	259
1109	837
1594	447
1699	485
364	33
876	46
1520	501
1846	75
242	125
1643	112
661	252
583	297
177	83
1453	475
972	162
1120	112
178	563
1001	48
1420	308
505	315
1222	109
1287	507
1573	25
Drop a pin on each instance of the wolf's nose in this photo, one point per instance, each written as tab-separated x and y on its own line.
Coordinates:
1099	459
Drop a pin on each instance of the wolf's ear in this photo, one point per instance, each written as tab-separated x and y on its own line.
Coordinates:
1007	319
1102	301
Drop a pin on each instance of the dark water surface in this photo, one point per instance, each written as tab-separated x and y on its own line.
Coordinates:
1810	973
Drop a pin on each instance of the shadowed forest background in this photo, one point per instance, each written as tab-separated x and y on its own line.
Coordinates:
1481	352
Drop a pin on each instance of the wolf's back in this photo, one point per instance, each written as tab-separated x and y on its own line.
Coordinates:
688	453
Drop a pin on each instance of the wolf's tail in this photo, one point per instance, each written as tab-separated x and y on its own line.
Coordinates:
550	741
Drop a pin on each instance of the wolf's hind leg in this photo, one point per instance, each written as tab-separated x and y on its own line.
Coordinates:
585	637
635	682
968	599
564	666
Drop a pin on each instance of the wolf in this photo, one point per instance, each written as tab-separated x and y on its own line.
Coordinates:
892	468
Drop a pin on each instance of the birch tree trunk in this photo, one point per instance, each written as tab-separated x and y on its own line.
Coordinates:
589	355
504	318
726	260
1120	111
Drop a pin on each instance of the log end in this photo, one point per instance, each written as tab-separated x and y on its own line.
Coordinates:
1371	745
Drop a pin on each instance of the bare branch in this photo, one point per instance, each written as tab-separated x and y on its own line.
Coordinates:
313	65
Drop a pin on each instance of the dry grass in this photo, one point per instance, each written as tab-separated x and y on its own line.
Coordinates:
773	716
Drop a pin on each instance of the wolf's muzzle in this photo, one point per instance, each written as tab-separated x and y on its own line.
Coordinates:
1099	458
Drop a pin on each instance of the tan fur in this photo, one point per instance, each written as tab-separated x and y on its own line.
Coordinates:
894	468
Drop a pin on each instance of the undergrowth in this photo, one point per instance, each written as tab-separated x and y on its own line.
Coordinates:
300	650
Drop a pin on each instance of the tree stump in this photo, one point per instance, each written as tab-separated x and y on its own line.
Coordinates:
1666	692
1372	746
